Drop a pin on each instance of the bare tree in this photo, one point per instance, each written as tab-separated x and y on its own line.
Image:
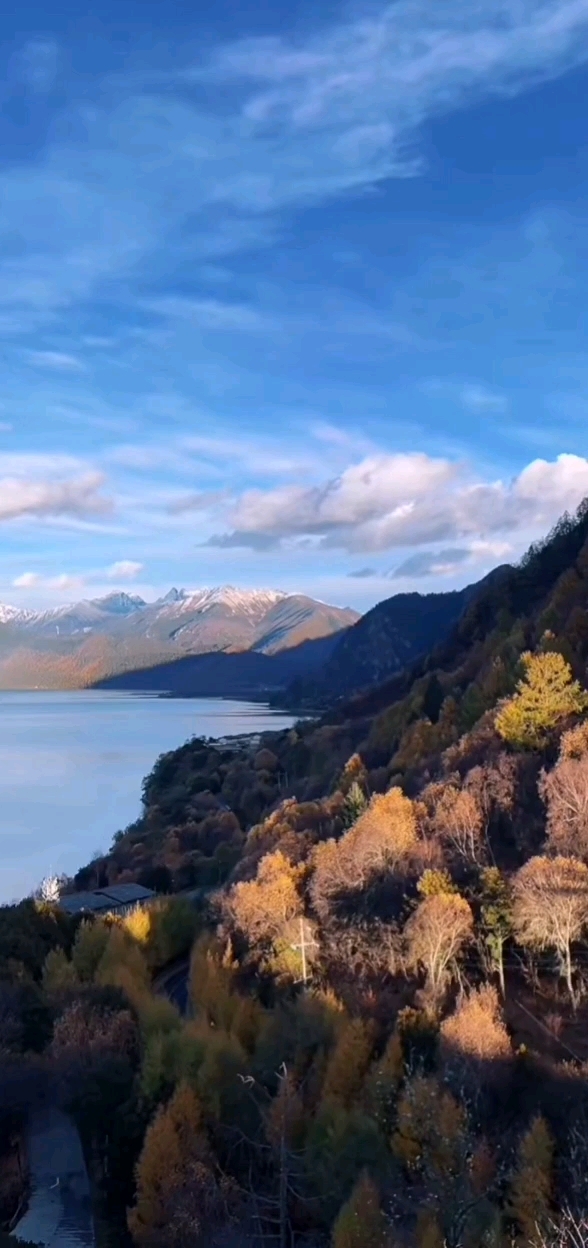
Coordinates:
459	820
436	933
550	908
565	793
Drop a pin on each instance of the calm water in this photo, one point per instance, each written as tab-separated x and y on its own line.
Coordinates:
71	766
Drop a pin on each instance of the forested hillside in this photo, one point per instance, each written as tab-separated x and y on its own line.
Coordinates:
387	1038
384	641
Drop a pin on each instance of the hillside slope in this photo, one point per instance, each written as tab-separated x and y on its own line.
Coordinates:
384	641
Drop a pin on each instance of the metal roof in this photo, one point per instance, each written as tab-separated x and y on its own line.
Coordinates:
124	893
105	899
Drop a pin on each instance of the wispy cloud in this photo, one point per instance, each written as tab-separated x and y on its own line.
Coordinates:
57	361
477	398
301	121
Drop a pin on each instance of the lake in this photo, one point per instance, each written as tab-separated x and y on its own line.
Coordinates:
71	767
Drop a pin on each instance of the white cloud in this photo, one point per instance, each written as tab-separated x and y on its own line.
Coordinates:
124	570
413	500
79	496
57	361
63	582
27	580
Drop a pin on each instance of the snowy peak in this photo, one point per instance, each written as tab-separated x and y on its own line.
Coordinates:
119	603
13	615
243	601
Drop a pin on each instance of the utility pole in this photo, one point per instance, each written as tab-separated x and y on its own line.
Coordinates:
303	945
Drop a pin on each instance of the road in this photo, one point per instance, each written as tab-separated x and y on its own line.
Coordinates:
59	1213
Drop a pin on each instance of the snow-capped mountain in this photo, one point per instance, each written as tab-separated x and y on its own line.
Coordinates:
83	641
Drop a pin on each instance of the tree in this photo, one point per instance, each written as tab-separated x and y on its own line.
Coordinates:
89	945
565	793
59	974
550	908
174	1173
474	1041
260	908
459	821
379	840
361	1223
354	805
348	1063
496	918
531	1188
546	694
436	933
49	889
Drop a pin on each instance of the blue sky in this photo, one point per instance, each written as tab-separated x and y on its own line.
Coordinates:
290	295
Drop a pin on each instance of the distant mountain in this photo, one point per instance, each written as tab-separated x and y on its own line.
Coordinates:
384	641
248	674
85	642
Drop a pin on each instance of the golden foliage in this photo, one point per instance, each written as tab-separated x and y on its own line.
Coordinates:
476	1032
382	837
173	1143
434	882
546	695
261	907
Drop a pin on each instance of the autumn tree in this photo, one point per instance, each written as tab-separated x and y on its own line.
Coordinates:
379	840
565	793
550	909
532	1185
459	821
176	1183
436	934
261	908
361	1223
475	1044
574	742
545	696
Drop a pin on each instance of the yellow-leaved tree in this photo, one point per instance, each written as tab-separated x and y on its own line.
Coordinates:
178	1198
545	695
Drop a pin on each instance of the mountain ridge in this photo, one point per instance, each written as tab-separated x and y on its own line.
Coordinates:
80	643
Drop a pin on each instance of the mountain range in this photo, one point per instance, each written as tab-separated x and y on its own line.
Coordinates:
317	672
86	642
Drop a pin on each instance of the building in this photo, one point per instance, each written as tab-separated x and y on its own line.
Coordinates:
114	899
